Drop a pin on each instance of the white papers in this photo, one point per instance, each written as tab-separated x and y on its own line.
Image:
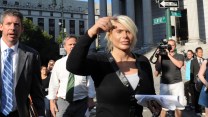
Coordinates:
166	101
87	113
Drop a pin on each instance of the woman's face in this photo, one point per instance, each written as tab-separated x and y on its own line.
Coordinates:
121	37
44	70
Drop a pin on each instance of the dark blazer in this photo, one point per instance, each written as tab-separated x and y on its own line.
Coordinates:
194	69
113	98
27	81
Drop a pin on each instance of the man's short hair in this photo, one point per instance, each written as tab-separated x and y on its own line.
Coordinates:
198	48
11	12
68	37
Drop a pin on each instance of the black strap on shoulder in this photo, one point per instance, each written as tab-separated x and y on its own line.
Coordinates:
120	75
126	83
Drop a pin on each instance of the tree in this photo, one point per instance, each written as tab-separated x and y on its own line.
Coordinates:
60	37
40	40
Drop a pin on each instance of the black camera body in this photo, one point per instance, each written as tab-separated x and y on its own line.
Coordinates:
163	46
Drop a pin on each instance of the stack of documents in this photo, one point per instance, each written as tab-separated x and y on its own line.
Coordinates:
166	101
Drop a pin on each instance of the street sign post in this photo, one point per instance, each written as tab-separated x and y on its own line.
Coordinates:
159	20
168	4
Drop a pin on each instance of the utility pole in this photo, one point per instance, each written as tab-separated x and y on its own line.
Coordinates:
61	48
168	24
62	19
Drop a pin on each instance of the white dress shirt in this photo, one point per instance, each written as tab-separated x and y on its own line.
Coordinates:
84	86
14	61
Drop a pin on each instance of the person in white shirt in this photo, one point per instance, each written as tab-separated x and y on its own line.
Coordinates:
83	92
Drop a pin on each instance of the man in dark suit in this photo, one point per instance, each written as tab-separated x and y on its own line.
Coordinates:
24	65
194	69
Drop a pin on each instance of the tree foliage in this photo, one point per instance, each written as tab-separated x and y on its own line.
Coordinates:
40	40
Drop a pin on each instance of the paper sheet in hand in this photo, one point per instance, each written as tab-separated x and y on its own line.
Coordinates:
166	101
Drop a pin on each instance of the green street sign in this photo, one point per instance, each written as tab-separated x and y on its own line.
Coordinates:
159	20
175	13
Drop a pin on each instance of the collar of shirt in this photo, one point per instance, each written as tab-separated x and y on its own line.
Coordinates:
4	46
199	59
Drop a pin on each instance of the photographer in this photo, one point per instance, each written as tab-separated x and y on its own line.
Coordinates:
203	98
169	65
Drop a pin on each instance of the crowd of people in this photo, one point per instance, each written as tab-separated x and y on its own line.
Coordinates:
68	86
195	68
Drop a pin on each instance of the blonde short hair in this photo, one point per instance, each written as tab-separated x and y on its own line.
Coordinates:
128	23
172	41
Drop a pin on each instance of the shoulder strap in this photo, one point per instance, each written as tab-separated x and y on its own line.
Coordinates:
121	76
124	80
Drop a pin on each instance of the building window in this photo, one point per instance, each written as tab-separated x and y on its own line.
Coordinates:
72	26
41	23
52	28
51	13
81	27
4	2
39	5
80	9
16	3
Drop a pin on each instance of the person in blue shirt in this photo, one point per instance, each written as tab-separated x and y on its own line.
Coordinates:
190	56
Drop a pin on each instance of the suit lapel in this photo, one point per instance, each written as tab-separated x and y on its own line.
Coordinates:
21	61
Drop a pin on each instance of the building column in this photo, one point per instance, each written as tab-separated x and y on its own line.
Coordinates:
205	2
46	24
56	28
91	19
67	26
193	22
103	13
103	8
35	21
147	22
76	27
130	10
115	7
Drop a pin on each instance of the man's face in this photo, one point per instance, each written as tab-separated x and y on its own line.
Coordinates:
50	65
11	29
173	46
189	55
69	45
199	53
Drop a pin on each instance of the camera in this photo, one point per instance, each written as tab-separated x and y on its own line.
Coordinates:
162	50
163	46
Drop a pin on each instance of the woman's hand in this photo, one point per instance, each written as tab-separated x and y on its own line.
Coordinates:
102	24
154	107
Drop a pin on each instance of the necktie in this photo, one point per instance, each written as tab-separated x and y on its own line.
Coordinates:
70	88
7	85
200	62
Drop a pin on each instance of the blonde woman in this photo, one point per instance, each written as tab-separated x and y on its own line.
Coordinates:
110	70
